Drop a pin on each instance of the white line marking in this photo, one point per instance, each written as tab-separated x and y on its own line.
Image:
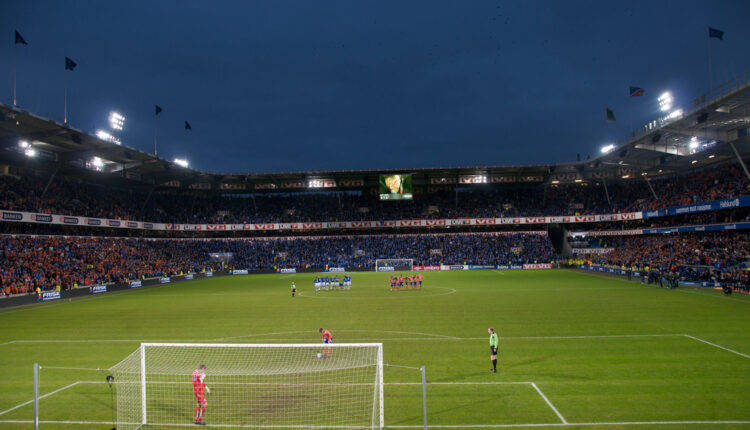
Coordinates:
458	383
564	423
40	397
428	337
631	423
717	346
559	415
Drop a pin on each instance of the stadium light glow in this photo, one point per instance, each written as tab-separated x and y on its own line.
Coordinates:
711	156
23	144
694	161
116	121
181	162
608	148
107	136
665	101
674	114
694	143
30	152
97	162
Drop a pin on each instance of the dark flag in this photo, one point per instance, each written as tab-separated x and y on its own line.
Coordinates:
157	109
610	115
70	64
20	39
636	92
712	32
187	126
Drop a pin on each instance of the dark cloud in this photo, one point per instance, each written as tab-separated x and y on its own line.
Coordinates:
299	85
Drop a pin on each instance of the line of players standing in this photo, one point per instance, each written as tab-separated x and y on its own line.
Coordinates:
402	282
324	282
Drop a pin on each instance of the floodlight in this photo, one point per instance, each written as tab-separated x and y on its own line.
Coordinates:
674	114
608	148
109	137
665	101
694	143
30	152
97	162
116	121
181	162
23	144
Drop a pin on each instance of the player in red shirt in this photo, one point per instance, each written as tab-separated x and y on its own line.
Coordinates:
199	387
327	338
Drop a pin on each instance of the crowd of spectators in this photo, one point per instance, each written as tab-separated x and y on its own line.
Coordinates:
46	262
73	197
690	254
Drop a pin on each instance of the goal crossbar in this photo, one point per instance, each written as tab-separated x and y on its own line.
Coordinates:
263	345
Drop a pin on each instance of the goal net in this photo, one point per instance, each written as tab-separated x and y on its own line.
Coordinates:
252	385
393	264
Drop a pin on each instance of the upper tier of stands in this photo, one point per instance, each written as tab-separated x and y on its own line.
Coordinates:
69	197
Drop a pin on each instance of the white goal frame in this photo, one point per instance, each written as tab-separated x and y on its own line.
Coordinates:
409	262
377	413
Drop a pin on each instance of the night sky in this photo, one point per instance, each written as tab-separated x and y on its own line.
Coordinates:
279	86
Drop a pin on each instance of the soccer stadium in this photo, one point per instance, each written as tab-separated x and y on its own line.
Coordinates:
140	292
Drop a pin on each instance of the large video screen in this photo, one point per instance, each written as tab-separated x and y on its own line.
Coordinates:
395	187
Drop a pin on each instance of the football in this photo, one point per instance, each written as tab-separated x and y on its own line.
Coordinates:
319	355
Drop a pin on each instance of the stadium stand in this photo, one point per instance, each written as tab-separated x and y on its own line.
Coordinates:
46	262
69	197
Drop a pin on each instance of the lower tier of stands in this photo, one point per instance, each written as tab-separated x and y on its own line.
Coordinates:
45	262
48	261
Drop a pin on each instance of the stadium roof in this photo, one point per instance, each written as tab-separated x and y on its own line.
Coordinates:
685	138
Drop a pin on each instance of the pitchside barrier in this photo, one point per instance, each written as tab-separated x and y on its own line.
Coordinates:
637	274
30	298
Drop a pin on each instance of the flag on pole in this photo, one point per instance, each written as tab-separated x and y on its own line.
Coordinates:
610	115
636	92
70	64
187	126
157	109
20	39
712	32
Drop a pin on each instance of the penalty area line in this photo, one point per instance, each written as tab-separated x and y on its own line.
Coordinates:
40	397
554	409
717	346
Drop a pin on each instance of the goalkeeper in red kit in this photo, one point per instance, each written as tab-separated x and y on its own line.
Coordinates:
327	338
199	391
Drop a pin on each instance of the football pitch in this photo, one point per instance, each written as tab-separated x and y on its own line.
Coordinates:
577	350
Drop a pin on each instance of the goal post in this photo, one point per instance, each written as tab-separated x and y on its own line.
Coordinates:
394	264
252	385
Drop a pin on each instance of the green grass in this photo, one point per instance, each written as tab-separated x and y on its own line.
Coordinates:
602	350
